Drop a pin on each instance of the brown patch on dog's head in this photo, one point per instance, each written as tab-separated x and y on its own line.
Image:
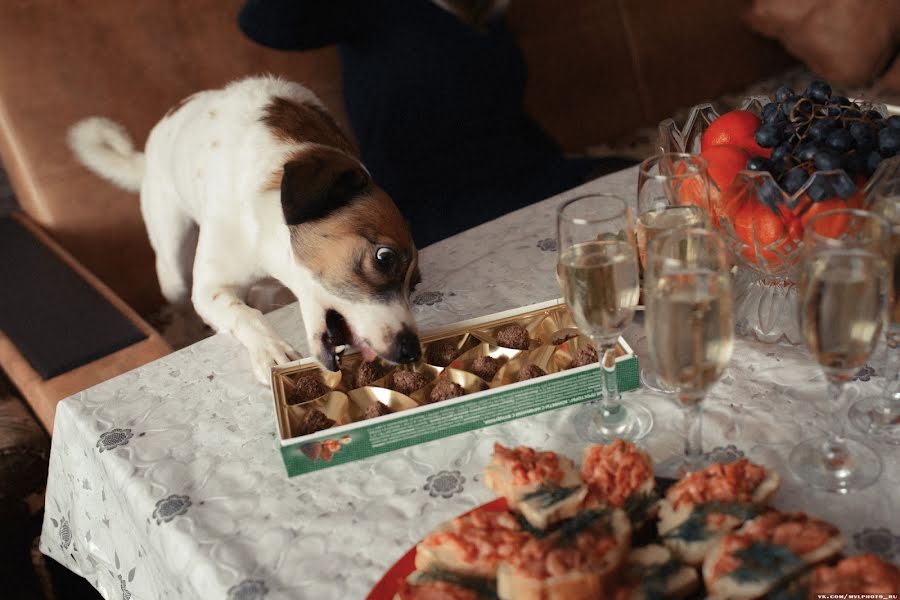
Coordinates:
362	252
290	121
345	229
319	180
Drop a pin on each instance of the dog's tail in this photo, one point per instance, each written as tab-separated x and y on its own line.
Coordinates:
104	147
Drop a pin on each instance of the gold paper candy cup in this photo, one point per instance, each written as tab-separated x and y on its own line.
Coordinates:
350	367
461	342
362	398
542	356
334	405
465	360
430	371
469	382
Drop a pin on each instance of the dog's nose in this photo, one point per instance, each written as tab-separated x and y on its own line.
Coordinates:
407	347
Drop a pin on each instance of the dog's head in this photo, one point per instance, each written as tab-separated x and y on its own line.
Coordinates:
350	236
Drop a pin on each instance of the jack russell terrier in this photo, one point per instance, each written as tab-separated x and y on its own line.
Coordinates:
254	181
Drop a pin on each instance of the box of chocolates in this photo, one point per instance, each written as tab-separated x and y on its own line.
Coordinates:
472	374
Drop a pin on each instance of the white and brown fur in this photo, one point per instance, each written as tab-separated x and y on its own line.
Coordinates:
256	181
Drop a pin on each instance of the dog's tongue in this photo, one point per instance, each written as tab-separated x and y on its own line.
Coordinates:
340	333
368	354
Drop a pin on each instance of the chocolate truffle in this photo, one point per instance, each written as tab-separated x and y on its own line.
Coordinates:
585	356
513	336
368	372
406	382
441	353
315	420
377	409
530	372
485	367
444	390
308	387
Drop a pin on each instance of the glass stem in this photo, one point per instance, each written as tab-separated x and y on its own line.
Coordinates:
834	449
890	399
693	430
611	397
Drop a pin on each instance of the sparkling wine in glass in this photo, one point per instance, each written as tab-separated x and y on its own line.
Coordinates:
878	417
690	325
844	289
673	192
598	273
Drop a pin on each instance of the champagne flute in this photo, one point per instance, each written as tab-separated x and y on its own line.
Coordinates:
598	273
843	300
673	191
878	417
690	325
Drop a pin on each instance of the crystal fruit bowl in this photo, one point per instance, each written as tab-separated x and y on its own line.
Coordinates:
762	223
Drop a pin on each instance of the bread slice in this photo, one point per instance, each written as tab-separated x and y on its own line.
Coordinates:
543	486
575	585
471	545
538	572
429	585
766	551
705	505
654	572
550	504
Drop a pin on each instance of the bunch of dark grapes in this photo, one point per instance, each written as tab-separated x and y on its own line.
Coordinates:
819	131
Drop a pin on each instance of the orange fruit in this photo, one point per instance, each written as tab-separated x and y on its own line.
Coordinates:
722	163
832	226
695	191
756	225
736	128
858	200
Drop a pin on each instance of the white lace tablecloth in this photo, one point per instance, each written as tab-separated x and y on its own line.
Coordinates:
167	482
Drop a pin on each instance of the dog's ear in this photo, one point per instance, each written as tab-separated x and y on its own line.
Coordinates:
318	182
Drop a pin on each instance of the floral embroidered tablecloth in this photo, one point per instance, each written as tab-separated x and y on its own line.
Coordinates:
167	482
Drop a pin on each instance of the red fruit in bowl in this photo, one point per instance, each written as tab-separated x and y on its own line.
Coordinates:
832	226
722	163
756	225
735	128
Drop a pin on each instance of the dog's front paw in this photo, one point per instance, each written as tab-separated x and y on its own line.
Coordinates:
267	352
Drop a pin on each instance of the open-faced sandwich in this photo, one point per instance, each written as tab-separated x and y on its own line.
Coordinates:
653	572
621	476
767	551
707	504
471	545
862	575
543	486
568	536
574	562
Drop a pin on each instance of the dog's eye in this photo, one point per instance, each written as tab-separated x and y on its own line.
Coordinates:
386	258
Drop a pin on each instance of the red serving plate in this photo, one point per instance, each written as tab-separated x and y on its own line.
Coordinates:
387	586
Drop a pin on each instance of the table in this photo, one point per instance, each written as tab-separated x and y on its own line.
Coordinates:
167	482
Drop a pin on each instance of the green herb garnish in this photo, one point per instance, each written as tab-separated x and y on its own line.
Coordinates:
652	579
565	529
762	560
482	587
638	505
694	529
547	495
586	518
795	587
531	529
